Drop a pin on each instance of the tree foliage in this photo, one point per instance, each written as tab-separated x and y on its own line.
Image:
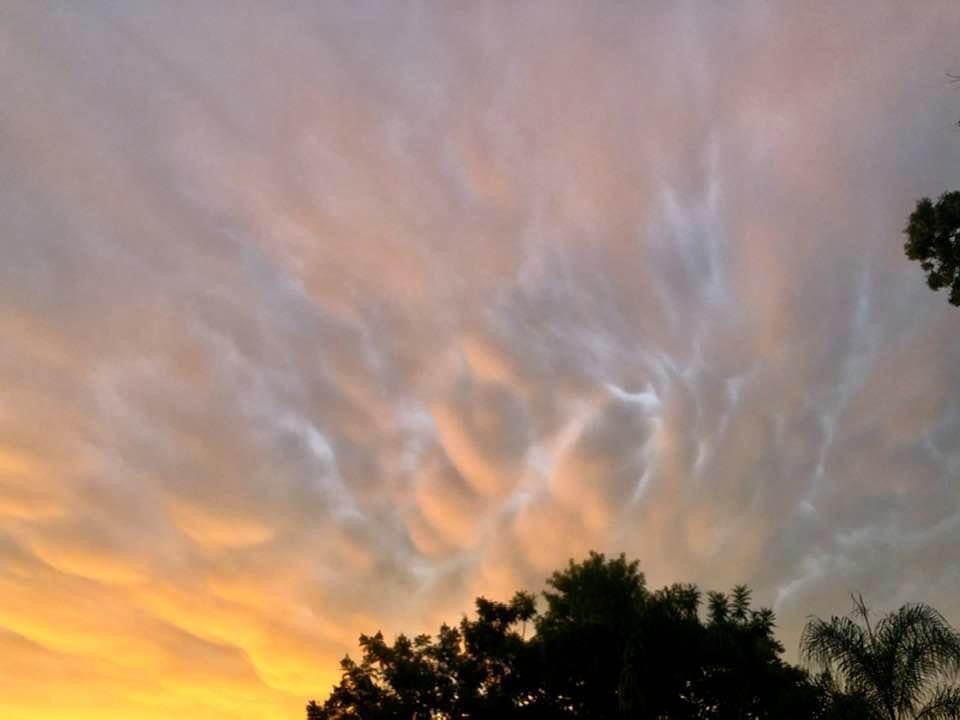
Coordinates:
606	646
933	240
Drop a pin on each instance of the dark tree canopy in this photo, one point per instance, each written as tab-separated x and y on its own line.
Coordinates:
605	647
933	240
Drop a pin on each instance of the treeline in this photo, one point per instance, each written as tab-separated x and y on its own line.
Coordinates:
605	646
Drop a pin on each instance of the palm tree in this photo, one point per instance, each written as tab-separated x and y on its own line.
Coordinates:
901	668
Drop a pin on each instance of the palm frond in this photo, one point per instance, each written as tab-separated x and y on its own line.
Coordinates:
842	648
920	649
944	704
901	665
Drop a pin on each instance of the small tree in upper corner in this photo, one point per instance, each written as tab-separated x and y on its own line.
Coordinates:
933	237
933	240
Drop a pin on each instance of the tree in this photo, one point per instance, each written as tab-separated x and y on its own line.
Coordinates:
500	673
614	649
606	647
933	240
594	609
483	669
897	669
741	673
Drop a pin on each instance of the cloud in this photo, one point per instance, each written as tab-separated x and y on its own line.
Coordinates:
320	319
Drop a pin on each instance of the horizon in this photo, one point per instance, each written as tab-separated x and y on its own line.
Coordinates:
324	318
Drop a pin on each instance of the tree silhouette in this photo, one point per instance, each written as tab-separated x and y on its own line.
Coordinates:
898	669
594	610
606	647
740	670
483	669
933	240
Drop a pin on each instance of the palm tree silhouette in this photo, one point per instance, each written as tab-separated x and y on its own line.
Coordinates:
902	668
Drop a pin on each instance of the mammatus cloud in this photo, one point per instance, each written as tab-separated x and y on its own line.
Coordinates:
319	318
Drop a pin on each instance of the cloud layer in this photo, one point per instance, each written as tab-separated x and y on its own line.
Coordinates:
320	318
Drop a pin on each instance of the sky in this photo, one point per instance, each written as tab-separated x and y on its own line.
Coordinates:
319	318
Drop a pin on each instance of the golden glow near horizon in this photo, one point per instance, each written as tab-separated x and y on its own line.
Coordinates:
318	319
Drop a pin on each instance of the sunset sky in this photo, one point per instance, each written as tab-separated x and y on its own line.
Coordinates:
324	317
